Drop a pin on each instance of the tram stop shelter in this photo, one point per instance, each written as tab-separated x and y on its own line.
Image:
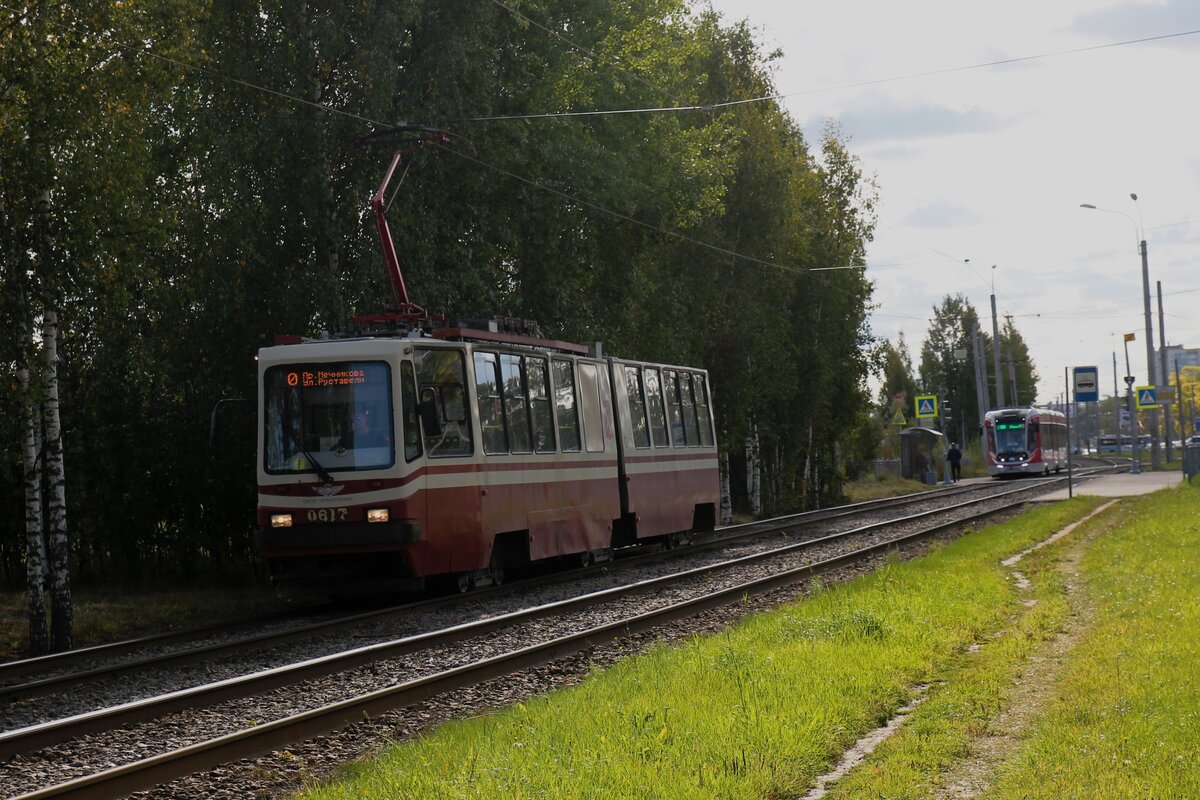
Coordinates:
920	453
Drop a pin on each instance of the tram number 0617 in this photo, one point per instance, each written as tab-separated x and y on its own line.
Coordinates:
328	514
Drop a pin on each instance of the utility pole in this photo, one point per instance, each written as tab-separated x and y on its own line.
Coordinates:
996	345
1012	379
1163	374
1150	367
980	359
1179	399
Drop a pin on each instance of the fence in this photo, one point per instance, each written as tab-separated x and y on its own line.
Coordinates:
1191	461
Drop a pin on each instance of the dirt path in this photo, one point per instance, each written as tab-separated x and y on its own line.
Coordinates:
1035	688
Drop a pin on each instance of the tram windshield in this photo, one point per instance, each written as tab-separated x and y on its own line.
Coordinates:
1011	435
328	417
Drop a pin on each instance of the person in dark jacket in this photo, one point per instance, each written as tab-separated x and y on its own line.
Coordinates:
954	459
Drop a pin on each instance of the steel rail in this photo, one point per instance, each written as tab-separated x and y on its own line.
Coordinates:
58	683
54	684
119	781
27	666
34	737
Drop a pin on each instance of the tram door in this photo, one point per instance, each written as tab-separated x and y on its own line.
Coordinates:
410	448
445	473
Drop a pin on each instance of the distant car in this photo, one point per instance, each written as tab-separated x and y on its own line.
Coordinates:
1194	440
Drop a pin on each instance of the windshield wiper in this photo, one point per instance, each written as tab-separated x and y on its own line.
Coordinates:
322	473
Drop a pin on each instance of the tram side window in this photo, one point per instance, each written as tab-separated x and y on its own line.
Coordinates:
655	407
539	404
1034	436
706	431
566	407
516	403
491	414
589	401
637	406
675	410
441	378
690	426
412	430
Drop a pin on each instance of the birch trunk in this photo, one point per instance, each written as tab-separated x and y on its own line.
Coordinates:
61	622
753	471
35	542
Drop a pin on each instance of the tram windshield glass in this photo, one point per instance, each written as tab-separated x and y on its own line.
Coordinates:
328	417
1010	435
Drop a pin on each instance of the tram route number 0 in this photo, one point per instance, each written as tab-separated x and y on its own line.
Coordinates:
328	514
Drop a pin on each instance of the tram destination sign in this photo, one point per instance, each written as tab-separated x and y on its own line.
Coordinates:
326	377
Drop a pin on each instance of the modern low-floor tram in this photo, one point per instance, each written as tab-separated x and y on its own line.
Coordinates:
1028	440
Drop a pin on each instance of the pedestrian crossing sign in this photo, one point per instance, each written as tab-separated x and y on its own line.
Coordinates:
1147	397
927	406
899	419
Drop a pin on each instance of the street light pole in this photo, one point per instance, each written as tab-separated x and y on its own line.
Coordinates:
1142	251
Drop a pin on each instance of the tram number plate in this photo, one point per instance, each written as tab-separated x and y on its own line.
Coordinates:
328	514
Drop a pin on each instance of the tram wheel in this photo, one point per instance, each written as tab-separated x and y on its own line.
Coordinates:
463	582
496	571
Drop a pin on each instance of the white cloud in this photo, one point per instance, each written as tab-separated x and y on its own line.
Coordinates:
991	163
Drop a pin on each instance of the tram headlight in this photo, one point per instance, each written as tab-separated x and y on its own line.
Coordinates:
377	515
281	520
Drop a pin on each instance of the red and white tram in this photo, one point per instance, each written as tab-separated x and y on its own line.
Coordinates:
1025	440
466	452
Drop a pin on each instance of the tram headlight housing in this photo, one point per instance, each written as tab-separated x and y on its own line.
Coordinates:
377	515
281	520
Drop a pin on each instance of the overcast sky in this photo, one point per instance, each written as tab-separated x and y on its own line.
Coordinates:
992	163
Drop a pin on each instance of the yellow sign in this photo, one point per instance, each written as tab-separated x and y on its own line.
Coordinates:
1129	337
899	419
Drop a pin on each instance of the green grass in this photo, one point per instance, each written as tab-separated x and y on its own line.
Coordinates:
871	488
1126	721
755	712
970	694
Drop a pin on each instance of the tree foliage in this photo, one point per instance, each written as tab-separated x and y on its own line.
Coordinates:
206	196
947	365
947	362
1016	353
898	387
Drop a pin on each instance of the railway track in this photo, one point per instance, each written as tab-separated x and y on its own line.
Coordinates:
416	667
61	672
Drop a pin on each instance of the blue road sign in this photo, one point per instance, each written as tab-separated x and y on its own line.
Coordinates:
1087	385
1147	397
927	406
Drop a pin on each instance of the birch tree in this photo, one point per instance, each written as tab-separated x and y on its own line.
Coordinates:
58	549
35	542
